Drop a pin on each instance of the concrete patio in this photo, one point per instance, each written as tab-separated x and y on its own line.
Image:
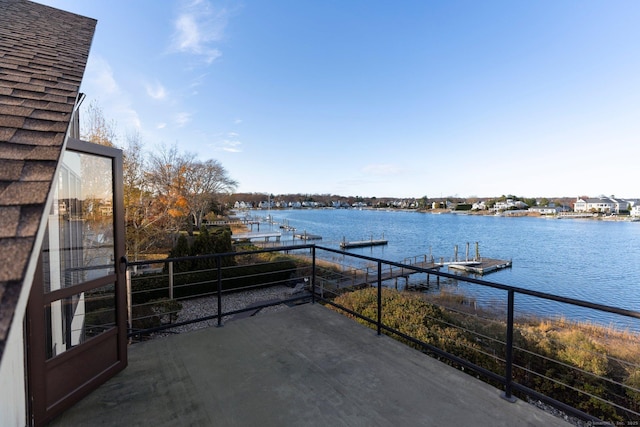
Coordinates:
304	366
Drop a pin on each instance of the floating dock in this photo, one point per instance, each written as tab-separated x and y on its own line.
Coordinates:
484	266
306	236
362	243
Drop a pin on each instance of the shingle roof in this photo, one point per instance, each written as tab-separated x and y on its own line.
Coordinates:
43	54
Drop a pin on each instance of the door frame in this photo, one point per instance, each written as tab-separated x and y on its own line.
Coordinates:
56	384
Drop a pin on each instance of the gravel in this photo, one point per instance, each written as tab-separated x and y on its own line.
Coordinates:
560	414
208	306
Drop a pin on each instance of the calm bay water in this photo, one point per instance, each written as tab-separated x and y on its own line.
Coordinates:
596	261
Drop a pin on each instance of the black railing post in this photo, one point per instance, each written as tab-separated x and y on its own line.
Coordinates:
219	269
379	297
313	274
508	371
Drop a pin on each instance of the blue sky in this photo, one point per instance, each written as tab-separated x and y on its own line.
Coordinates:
379	98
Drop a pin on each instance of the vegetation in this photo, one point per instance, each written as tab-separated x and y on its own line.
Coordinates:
198	275
583	365
164	192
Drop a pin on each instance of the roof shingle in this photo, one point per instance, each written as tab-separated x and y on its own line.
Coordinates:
43	54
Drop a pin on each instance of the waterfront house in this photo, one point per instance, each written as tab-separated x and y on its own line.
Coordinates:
544	210
479	206
509	204
242	205
601	204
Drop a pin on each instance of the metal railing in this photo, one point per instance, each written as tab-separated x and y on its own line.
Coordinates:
503	358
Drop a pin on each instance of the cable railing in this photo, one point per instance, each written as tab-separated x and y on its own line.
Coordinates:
588	370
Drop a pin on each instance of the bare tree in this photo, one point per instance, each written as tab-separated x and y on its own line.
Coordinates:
206	181
96	128
186	187
144	221
166	176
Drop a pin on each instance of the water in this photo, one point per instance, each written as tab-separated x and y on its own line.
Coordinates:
595	261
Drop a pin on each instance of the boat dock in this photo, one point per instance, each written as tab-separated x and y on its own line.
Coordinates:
354	278
362	244
307	236
256	236
344	244
483	266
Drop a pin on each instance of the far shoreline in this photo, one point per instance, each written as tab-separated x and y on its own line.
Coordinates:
595	217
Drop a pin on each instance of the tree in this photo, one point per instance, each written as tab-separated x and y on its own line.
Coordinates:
186	188
204	181
96	128
423	203
144	220
166	178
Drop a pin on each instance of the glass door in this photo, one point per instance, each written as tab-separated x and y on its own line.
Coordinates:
77	307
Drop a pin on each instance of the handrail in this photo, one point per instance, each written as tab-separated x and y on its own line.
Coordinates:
506	380
524	291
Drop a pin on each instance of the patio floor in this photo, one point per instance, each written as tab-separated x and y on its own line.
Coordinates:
303	366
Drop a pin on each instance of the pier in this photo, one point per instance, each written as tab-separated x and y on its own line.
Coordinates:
233	221
354	277
362	244
307	236
256	236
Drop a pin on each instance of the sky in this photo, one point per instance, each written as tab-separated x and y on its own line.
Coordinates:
375	98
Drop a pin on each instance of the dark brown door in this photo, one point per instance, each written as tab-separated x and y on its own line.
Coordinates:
76	316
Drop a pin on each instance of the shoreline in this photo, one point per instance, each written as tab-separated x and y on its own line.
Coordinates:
595	217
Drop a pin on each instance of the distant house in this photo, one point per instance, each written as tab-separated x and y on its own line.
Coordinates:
266	204
544	210
635	211
479	206
442	205
509	204
242	205
601	204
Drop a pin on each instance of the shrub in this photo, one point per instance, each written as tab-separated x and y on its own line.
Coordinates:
566	361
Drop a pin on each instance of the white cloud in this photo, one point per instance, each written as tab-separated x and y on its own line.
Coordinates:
182	119
237	121
156	90
197	27
230	146
100	75
161	125
381	169
129	116
100	84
